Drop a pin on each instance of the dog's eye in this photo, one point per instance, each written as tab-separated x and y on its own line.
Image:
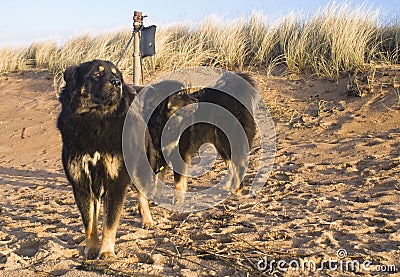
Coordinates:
97	74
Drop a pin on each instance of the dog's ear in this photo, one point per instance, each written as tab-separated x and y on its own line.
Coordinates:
179	100
129	91
132	91
138	88
70	74
175	102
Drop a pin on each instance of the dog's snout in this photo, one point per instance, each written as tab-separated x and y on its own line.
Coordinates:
116	82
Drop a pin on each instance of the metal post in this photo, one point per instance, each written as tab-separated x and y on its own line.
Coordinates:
137	55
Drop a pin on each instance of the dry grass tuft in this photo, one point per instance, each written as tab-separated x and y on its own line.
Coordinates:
337	39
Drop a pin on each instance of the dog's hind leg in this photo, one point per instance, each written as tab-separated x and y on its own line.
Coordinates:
89	208
235	162
181	181
113	204
237	172
180	186
233	183
144	209
156	194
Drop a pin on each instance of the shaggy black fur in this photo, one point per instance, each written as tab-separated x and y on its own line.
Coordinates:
95	101
199	133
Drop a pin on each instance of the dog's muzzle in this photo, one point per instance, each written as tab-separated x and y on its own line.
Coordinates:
116	82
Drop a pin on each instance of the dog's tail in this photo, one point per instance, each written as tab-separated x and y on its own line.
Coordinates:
248	78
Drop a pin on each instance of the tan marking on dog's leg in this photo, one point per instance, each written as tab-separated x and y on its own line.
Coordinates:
234	182
232	172
91	236
144	209
108	241
181	189
107	249
181	185
113	206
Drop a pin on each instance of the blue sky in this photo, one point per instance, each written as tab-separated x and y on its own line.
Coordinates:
25	21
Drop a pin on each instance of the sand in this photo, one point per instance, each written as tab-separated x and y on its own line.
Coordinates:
333	194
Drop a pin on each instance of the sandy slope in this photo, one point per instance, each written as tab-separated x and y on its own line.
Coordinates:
335	185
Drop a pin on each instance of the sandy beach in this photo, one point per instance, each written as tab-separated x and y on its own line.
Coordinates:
333	194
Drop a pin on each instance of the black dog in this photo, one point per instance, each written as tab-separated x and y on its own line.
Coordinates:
95	101
200	133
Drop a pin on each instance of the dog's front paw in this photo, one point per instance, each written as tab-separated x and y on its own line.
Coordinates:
148	224
238	191
107	255
91	253
179	198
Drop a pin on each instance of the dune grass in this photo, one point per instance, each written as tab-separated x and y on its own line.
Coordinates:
337	39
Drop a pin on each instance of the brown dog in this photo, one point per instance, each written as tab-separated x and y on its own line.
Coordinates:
95	101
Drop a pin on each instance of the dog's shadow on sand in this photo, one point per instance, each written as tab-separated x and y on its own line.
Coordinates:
28	178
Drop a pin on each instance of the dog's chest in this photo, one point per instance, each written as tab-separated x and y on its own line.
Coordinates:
101	164
95	169
90	134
